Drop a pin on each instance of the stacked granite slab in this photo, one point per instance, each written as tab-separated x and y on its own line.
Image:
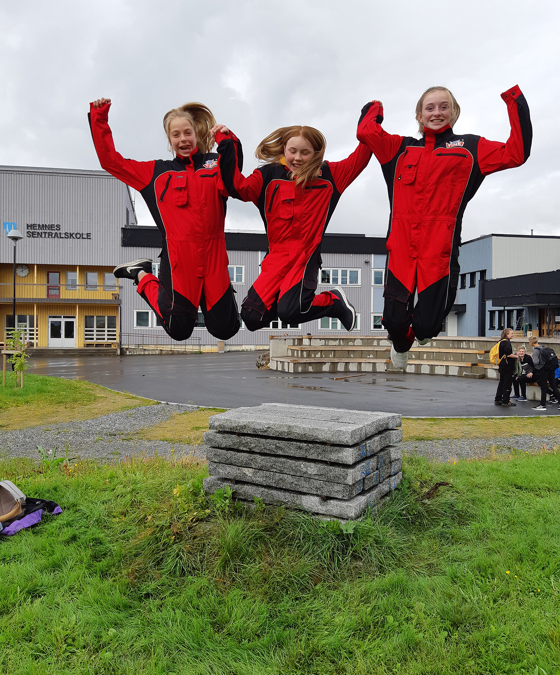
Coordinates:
327	461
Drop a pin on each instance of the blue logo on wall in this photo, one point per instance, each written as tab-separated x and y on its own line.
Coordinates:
8	227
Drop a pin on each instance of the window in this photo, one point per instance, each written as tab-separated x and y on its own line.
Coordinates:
276	324
482	275
236	273
53	284
200	321
509	319
376	322
463	281
342	277
334	324
100	329
91	281
71	281
472	279
378	277
109	282
501	318
26	323
146	318
492	319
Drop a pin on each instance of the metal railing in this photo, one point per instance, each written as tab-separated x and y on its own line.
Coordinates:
57	292
159	340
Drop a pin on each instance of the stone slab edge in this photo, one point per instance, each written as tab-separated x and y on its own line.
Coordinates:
332	473
305	485
350	509
306	423
341	454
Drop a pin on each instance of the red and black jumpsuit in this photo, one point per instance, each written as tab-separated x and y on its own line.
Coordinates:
430	181
295	219
187	200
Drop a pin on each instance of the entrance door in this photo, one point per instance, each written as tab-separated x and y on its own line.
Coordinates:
62	332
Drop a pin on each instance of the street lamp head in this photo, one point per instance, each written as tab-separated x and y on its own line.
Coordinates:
15	235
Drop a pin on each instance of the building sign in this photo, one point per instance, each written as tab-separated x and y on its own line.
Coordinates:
8	227
51	231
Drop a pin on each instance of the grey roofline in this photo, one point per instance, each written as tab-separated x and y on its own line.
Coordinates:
99	173
512	236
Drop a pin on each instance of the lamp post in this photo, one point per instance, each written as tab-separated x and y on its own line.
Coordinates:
15	236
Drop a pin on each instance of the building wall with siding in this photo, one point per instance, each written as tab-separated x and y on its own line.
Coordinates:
66	217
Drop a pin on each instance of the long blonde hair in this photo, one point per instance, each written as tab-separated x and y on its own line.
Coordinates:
455	107
271	149
201	119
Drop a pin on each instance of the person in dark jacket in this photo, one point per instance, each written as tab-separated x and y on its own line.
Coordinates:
527	374
430	182
188	203
505	366
296	193
545	376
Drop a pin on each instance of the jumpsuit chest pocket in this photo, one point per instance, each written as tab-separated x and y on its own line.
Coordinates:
282	200
409	168
175	190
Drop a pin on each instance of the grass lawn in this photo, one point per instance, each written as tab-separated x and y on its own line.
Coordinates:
48	400
143	574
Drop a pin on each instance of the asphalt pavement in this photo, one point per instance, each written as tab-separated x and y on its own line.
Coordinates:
232	380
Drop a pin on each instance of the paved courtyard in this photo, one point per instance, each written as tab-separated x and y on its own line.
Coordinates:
232	380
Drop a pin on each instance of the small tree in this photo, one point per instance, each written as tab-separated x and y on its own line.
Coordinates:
16	342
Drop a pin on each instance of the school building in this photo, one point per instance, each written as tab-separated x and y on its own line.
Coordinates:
71	220
508	281
77	225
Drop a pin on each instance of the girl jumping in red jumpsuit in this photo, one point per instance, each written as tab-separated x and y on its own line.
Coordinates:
430	182
187	201
296	193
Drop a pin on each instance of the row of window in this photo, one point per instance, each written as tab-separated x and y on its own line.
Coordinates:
146	318
96	328
472	278
331	276
498	319
93	281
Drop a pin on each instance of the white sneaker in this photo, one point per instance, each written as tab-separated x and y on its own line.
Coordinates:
539	407
399	359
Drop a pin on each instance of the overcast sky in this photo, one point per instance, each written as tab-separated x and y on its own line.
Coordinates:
260	65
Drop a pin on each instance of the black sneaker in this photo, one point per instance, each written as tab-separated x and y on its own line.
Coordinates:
497	403
511	404
553	399
347	312
130	270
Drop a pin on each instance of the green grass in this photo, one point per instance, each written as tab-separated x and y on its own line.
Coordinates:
143	574
48	400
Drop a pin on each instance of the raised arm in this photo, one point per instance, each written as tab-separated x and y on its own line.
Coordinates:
347	170
230	165
135	174
370	132
494	156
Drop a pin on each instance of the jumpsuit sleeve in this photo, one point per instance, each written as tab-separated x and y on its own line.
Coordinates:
495	156
136	174
347	170
383	145
230	165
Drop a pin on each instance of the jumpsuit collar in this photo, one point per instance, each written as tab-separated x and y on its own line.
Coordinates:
431	136
186	160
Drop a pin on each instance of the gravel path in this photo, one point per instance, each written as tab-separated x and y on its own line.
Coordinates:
465	448
105	438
